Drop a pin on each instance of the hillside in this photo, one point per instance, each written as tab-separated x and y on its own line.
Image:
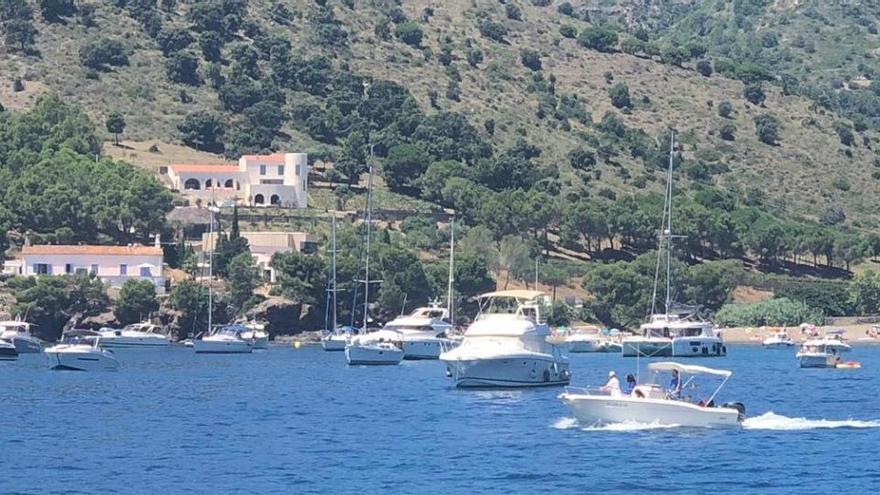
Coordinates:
808	170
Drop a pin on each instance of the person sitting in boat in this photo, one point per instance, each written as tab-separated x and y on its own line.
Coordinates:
612	388
675	386
630	384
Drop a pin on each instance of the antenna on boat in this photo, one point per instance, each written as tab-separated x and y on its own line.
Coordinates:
450	290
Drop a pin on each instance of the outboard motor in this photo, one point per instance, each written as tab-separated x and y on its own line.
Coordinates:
739	406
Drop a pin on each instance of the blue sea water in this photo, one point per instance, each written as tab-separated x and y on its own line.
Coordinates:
301	421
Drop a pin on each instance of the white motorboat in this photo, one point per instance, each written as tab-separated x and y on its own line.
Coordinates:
583	340
651	342
7	351
80	350
382	347
506	346
144	335
651	404
18	333
258	334
777	340
336	340
423	332
225	339
823	352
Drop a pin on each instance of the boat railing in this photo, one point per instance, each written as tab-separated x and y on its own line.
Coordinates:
585	390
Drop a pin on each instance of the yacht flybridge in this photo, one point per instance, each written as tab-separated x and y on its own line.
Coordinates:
423	332
18	333
682	405
671	333
506	346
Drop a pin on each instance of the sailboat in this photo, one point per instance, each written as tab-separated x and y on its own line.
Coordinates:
335	337
226	339
383	347
672	333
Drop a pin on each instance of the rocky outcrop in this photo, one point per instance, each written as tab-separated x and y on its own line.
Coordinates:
95	322
283	316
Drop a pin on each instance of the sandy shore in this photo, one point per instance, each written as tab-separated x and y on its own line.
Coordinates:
855	334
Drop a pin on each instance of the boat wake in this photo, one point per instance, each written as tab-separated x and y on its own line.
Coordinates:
773	421
569	423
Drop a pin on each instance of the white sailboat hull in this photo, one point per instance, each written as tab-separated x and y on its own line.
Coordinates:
509	372
817	360
372	355
81	358
334	343
593	410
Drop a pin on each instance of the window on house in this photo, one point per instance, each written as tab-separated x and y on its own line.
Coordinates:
123	269
145	271
280	169
68	268
41	269
81	271
262	170
94	269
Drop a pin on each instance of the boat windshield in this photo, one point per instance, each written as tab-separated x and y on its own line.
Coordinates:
233	330
694	331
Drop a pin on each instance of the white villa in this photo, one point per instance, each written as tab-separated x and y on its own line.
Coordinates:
265	244
112	264
258	180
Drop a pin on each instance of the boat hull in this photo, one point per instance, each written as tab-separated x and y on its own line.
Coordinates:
591	410
133	343
584	346
509	372
817	360
422	349
646	348
26	345
333	345
698	347
261	342
81	360
8	353
367	355
777	344
223	347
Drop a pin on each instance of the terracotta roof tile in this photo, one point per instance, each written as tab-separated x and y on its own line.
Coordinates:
277	157
92	250
204	167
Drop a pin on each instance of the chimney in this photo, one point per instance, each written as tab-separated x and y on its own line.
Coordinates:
158	240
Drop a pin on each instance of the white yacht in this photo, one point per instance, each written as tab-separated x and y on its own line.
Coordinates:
18	333
381	347
777	340
583	340
506	346
423	332
258	334
80	350
336	340
7	351
650	404
823	352
225	339
144	335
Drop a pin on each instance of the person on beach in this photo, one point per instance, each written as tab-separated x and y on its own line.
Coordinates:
675	385
630	384
612	388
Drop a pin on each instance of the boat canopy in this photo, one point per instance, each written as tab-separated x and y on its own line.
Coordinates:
689	369
517	294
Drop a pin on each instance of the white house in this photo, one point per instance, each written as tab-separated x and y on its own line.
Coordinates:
264	245
257	180
112	264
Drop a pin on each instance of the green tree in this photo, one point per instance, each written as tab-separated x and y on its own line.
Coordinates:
190	298
844	132
300	277
19	33
211	45
754	94
865	293
56	10
582	159
405	165
173	40
243	277
620	95
410	33
137	299
704	67
493	30
725	109
513	257
727	132
568	31
767	129
182	67
50	301
115	124
103	53
531	59
598	38
202	131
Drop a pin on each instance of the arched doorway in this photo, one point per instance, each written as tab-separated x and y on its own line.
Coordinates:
259	199
192	184
228	184
275	200
208	184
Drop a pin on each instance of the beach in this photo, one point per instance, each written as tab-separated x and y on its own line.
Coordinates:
855	334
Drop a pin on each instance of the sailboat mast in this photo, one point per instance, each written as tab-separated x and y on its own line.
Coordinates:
669	224
451	277
213	244
333	263
367	254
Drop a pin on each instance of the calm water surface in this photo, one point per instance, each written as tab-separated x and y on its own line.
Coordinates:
300	421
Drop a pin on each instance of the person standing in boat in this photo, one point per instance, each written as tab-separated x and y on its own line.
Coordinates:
612	388
675	385
630	384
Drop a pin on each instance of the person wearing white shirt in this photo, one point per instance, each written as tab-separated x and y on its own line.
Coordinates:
612	388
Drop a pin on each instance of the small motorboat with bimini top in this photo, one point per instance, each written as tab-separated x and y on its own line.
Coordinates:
777	340
381	347
143	335
506	346
80	350
650	403
823	352
18	333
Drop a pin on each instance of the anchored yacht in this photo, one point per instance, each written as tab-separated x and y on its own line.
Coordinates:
18	333
80	350
225	339
823	352
777	339
144	335
506	346
649	403
423	332
381	347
